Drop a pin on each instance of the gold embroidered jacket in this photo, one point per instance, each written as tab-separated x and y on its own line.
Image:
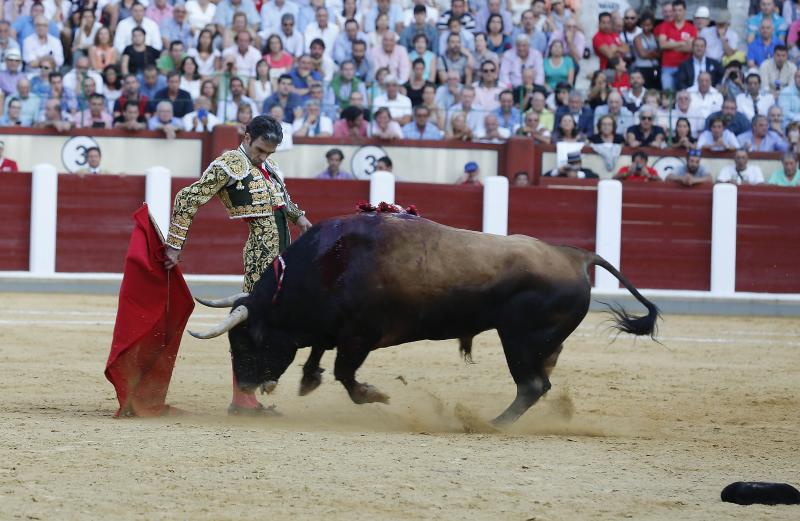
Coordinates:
240	186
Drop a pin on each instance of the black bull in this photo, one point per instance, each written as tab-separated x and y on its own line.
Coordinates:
368	281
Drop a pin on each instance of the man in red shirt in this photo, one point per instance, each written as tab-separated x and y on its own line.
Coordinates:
607	44
675	39
638	170
131	92
6	165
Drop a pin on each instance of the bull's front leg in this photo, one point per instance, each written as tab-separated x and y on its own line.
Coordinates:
312	372
349	357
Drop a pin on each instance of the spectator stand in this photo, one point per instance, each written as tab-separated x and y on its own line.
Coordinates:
233	48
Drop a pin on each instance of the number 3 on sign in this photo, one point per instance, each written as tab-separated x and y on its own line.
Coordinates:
73	153
363	162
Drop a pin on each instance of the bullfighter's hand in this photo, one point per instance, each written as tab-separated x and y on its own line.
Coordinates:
172	257
303	223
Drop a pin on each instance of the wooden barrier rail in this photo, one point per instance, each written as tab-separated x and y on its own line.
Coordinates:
665	229
15	214
768	240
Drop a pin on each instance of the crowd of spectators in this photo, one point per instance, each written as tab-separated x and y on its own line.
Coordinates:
477	70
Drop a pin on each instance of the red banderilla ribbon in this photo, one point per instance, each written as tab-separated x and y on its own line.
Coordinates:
278	276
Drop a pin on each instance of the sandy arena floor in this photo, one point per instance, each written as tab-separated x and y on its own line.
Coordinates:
630	429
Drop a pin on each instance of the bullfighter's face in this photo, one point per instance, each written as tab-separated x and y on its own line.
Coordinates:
259	149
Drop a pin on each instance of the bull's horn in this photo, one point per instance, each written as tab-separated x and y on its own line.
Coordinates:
221	302
236	317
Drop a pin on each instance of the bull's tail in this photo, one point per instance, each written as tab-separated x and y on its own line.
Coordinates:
465	346
635	325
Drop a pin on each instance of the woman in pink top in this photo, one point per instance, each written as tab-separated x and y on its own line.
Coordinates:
102	53
279	61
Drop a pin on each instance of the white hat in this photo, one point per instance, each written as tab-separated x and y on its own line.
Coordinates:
702	12
13	54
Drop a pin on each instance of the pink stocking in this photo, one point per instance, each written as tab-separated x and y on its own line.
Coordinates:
243	398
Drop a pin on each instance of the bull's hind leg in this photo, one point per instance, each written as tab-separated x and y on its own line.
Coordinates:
312	372
349	357
531	359
550	361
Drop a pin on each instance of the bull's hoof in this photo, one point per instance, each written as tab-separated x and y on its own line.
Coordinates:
268	386
365	393
309	382
237	410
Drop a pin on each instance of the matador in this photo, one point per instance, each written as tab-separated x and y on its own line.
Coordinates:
250	187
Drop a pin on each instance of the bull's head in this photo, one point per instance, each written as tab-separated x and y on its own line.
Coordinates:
259	356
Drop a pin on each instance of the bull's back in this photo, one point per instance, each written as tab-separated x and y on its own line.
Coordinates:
430	259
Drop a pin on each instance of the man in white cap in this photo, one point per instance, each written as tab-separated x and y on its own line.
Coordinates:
11	76
702	18
6	42
6	165
721	41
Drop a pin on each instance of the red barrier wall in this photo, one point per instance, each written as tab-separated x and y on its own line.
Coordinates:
215	241
666	236
15	214
94	221
768	240
323	199
559	212
459	206
666	229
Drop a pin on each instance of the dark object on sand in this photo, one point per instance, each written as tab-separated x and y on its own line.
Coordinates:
758	492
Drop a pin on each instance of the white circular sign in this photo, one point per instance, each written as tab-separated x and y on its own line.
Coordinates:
363	163
666	165
73	153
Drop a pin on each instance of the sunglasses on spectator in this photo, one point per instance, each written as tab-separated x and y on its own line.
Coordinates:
488	70
648	118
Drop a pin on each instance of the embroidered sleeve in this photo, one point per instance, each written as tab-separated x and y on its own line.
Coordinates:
293	212
190	199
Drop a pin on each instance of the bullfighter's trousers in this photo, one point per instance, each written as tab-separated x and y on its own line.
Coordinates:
268	237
